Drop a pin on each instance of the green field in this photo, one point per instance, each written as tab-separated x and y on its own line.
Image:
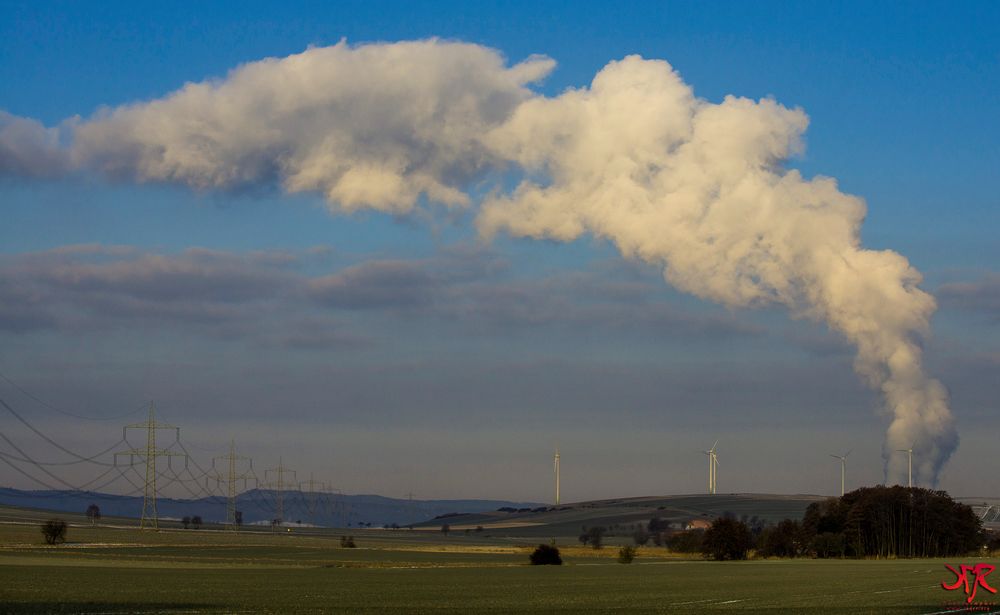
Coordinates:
117	569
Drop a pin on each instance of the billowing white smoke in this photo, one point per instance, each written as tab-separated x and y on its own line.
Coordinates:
695	187
698	188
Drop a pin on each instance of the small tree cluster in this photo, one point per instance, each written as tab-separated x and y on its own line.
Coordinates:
54	531
892	522
347	542
594	536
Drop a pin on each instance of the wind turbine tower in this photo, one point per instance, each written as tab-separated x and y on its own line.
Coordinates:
713	464
909	464
843	469
557	476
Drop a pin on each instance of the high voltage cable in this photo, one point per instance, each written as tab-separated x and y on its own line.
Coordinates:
53	442
58	463
93	494
66	412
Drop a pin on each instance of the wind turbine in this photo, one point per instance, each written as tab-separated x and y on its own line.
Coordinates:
713	463
909	464
843	469
557	475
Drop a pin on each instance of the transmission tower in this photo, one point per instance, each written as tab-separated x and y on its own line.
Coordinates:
311	502
148	520
230	480
278	486
337	508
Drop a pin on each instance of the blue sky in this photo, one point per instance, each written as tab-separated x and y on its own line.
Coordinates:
524	344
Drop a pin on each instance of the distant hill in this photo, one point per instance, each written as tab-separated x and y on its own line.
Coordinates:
623	514
259	506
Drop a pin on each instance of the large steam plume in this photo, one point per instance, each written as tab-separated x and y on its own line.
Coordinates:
695	187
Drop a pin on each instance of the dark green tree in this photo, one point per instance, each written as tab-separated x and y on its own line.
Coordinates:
54	531
726	539
94	513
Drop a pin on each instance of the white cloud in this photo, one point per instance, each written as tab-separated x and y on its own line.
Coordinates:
374	126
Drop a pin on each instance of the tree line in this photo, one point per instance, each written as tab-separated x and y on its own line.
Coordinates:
868	522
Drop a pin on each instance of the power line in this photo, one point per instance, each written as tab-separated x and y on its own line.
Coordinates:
53	442
66	412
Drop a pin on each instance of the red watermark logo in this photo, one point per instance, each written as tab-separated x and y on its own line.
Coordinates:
978	574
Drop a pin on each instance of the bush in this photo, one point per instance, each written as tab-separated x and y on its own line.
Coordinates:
626	554
727	539
347	542
545	554
196	522
54	531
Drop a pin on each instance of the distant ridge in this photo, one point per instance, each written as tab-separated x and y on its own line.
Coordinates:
258	505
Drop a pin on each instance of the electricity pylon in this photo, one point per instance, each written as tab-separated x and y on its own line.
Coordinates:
311	496
148	519
230	481
336	504
278	487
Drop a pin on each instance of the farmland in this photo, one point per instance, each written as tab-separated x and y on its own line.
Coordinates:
117	569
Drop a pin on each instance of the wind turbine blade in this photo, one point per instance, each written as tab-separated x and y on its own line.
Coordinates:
714	445
848	453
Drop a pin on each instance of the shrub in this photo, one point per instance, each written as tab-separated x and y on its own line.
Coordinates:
347	542
626	554
545	554
54	531
727	539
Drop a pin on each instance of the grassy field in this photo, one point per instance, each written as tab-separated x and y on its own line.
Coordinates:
122	570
